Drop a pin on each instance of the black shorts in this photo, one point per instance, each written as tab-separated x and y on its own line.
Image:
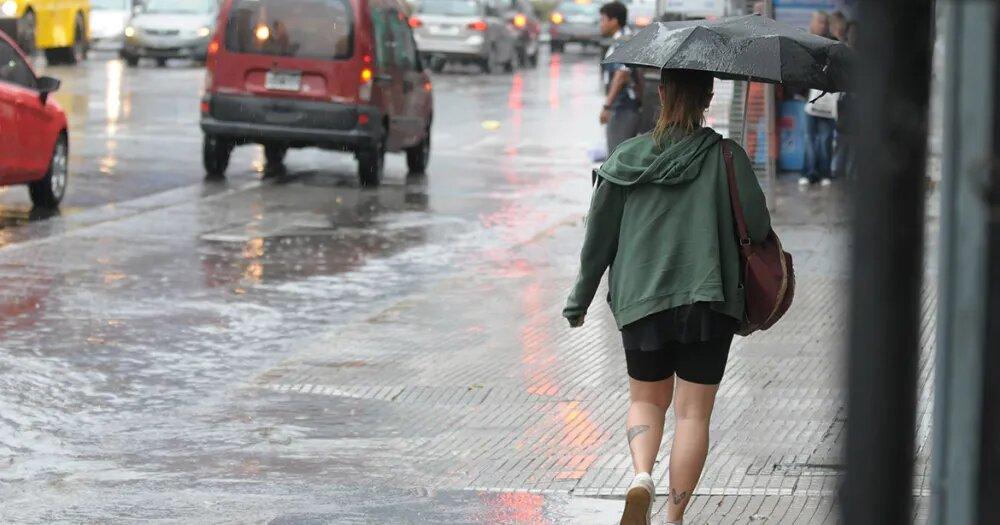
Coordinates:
691	340
700	362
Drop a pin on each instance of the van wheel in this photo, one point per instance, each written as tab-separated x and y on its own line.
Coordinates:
489	64
437	64
371	164
161	62
419	156
508	66
215	155
274	154
130	60
78	51
557	46
50	190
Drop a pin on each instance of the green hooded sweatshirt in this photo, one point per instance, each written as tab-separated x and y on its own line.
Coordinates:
661	219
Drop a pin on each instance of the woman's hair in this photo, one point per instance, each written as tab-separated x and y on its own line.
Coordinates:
687	95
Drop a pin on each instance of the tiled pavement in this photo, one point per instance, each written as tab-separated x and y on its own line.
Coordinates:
496	394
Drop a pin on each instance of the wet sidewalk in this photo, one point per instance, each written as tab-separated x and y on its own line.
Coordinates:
486	390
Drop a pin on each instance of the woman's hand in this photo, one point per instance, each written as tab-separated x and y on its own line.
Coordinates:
575	322
605	116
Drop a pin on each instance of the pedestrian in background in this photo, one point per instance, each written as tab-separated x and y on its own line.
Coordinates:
819	24
820	123
620	113
662	220
843	155
838	26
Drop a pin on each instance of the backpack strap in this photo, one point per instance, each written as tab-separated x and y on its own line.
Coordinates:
734	197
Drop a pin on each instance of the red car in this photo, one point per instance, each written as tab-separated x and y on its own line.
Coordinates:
34	142
334	74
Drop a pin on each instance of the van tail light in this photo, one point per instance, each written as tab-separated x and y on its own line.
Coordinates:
520	21
365	88
416	22
478	25
213	51
557	18
206	106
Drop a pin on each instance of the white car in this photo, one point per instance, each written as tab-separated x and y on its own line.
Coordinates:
108	19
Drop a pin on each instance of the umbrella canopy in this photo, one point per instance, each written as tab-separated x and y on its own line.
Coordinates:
751	47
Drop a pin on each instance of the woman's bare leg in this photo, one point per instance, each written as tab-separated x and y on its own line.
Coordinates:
692	409
649	401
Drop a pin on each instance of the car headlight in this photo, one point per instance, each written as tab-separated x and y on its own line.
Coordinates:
129	31
204	31
8	8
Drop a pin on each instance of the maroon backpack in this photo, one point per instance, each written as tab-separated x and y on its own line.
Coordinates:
766	268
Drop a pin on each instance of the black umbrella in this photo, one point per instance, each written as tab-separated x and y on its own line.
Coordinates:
754	48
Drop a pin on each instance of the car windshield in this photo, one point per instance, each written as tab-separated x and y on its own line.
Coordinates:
573	8
304	28
180	6
110	5
449	7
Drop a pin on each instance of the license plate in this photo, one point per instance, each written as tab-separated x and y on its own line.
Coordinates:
444	30
283	81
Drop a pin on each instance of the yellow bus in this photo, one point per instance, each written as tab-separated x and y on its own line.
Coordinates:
60	28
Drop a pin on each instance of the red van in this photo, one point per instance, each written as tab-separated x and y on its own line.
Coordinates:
334	74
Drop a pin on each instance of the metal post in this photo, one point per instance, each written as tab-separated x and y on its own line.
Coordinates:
893	84
989	474
961	441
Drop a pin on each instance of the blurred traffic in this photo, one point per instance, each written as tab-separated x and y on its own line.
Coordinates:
341	75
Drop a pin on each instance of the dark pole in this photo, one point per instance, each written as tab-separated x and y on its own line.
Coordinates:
989	475
893	84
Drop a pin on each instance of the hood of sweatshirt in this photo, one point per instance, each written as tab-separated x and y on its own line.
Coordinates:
641	160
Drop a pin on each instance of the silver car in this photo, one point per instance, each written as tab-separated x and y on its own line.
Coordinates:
108	19
574	21
165	29
468	31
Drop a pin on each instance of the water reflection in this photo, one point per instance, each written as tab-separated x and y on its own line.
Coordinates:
334	232
555	67
521	508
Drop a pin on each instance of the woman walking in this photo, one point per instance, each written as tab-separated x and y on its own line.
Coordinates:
661	219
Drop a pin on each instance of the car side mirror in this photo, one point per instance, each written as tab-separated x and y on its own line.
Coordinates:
46	86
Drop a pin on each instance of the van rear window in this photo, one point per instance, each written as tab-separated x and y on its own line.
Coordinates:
304	28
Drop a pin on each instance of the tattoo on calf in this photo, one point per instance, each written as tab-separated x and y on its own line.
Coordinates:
679	497
633	432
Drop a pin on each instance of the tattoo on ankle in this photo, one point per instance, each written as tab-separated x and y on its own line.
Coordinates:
634	432
679	497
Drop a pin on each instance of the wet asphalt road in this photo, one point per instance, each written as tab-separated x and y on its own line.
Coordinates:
132	321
